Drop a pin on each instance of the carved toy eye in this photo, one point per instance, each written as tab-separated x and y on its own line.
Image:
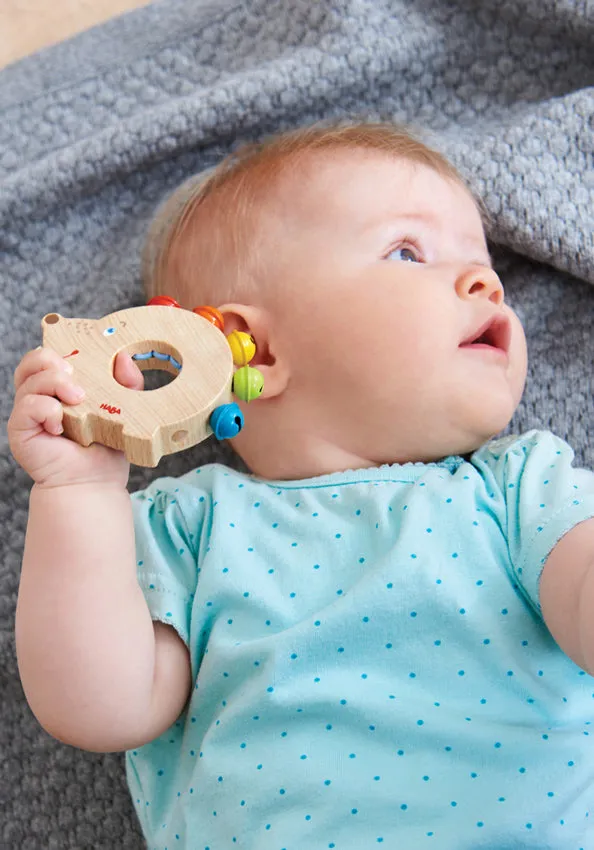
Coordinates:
109	331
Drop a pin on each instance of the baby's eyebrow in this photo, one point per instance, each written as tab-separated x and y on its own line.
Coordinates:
483	258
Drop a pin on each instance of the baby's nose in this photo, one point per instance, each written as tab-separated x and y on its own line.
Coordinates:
480	282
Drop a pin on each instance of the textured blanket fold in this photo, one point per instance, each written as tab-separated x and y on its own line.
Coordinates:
95	131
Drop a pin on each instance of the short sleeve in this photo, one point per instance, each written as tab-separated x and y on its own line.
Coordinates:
544	496
168	523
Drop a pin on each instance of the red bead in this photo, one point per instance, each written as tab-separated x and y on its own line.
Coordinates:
212	315
163	301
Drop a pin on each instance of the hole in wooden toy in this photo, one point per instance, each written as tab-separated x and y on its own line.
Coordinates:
156	378
179	436
51	319
160	363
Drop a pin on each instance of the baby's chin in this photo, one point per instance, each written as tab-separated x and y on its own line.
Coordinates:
487	416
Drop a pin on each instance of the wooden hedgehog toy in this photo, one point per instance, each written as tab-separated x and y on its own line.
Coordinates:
191	345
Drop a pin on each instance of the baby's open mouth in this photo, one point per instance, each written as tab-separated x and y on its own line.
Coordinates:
494	334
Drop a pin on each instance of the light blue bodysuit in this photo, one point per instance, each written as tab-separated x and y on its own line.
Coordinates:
371	666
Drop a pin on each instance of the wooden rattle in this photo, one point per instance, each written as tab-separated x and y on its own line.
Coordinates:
190	345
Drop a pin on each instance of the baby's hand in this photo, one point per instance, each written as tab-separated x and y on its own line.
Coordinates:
42	380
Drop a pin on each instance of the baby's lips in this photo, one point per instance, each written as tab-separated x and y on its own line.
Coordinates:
496	332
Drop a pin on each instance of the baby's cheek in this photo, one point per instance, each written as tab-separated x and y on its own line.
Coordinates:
518	356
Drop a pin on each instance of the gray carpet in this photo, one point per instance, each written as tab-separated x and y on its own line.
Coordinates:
93	132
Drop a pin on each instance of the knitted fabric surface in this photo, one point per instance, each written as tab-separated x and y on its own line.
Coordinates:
95	132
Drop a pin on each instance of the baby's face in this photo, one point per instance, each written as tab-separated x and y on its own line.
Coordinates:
384	275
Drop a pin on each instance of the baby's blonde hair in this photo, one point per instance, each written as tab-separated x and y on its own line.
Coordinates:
216	213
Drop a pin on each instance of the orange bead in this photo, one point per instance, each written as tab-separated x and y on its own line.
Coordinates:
212	315
163	301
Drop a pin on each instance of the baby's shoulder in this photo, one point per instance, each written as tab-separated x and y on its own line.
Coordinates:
537	444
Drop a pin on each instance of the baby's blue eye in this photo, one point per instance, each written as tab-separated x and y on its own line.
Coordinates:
405	255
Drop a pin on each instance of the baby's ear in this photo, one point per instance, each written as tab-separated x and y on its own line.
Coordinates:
258	323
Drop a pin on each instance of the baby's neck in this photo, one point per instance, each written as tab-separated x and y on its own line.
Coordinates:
286	460
280	447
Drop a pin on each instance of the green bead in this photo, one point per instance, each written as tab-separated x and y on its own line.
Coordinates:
248	383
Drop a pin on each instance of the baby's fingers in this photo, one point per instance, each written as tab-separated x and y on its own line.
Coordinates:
37	405
34	414
39	360
127	373
51	382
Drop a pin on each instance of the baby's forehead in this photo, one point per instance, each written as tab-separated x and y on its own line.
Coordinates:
330	186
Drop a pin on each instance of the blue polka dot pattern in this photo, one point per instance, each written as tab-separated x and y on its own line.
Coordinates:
369	660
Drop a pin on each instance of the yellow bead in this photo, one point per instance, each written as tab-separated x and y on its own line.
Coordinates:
242	347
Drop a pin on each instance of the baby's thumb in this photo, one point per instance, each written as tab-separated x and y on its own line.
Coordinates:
127	373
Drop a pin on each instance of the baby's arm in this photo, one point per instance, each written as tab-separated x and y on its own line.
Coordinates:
96	672
567	594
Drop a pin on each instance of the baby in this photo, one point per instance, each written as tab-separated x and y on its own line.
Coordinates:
380	635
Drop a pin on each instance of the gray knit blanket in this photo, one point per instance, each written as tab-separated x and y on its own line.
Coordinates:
94	132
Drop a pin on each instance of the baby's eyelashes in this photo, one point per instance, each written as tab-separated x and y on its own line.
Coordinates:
405	254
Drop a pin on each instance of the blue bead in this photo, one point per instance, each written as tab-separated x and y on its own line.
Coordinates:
226	421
